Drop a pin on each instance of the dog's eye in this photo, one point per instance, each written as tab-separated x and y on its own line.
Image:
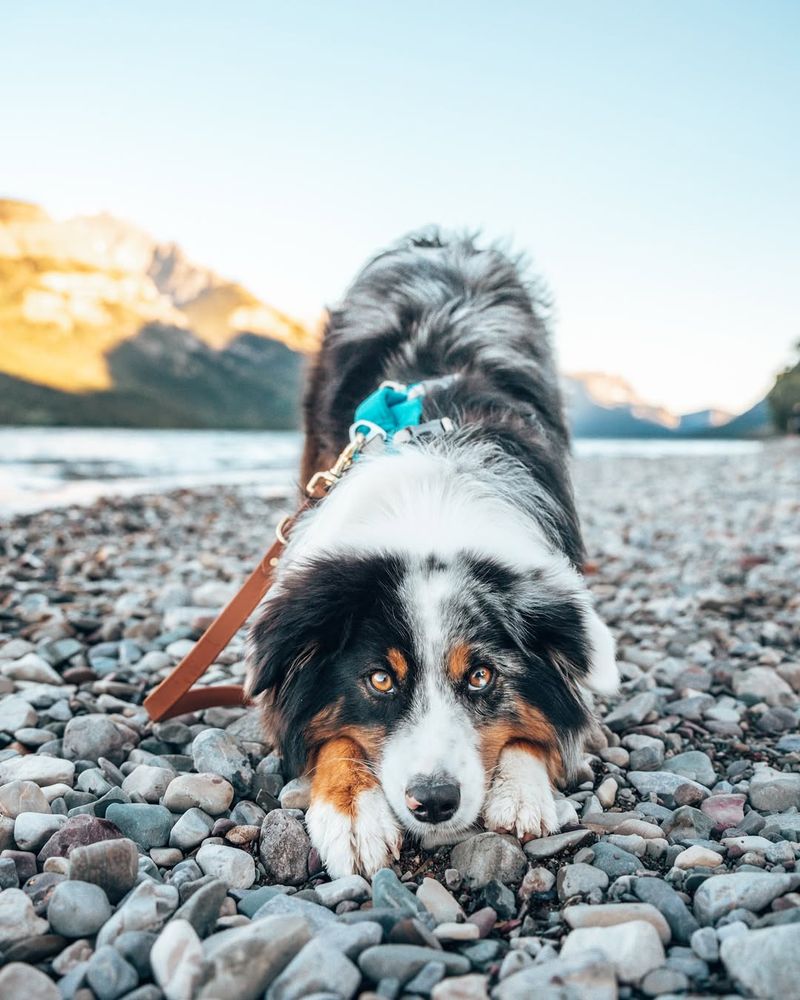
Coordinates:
480	678
381	682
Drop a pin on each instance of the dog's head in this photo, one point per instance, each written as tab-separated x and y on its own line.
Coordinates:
432	666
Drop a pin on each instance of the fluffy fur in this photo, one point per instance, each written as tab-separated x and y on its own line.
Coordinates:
452	560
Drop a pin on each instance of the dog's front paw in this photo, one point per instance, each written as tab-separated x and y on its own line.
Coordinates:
359	841
520	799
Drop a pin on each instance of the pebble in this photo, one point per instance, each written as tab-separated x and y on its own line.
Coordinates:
402	961
208	792
146	825
234	867
191	829
488	856
764	963
693	764
176	960
548	847
110	864
216	752
147	908
283	848
78	909
721	894
37	768
634	948
148	783
611	914
588	976
579	880
22	797
698	857
32	830
251	956
18	919
109	975
89	737
350	887
19	979
773	791
16	714
316	968
439	902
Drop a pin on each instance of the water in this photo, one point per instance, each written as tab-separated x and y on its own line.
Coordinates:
47	467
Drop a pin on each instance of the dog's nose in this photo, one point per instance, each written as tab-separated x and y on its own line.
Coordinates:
433	800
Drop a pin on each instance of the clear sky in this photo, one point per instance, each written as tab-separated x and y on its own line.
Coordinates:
645	155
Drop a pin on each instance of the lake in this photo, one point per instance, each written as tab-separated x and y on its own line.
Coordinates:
47	467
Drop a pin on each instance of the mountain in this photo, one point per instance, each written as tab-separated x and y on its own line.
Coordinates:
102	324
606	406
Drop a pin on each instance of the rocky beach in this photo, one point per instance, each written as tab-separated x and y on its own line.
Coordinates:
142	861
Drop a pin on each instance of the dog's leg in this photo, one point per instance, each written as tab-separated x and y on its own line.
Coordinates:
349	819
520	799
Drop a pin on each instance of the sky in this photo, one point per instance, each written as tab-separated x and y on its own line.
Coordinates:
645	156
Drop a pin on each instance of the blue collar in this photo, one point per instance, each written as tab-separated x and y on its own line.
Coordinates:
394	407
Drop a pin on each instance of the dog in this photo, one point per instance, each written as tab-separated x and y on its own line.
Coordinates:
427	652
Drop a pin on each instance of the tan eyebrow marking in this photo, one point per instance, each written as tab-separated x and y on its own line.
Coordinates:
398	663
458	662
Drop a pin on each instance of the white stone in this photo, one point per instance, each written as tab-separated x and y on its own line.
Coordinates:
148	782
439	902
235	868
612	914
23	796
36	767
32	830
177	960
208	792
698	857
633	948
16	714
457	932
32	667
18	920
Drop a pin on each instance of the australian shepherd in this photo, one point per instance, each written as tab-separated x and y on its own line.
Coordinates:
427	649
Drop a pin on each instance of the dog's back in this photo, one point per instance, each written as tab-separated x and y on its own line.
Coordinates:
434	304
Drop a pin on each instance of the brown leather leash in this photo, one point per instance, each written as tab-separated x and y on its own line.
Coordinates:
175	695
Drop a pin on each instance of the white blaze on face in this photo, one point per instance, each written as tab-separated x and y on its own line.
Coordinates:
437	738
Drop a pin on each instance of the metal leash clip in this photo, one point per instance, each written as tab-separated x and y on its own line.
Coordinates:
319	484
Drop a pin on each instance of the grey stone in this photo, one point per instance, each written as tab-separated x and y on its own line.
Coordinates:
78	909
147	825
351	939
148	782
579	880
202	908
589	976
753	891
667	901
217	752
136	947
774	791
234	867
15	713
283	848
177	960
190	829
252	956
147	908
88	737
614	861
403	961
388	891
316	916
633	948
765	963
632	712
109	975
487	856
316	967
548	847
693	764
665	785
705	944
350	887
39	768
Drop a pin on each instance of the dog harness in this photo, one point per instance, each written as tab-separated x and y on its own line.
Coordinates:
386	419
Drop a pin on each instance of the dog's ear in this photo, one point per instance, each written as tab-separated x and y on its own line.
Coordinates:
569	631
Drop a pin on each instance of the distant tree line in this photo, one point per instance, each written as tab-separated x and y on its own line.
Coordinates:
784	398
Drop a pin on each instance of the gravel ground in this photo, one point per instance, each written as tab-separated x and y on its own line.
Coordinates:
144	861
